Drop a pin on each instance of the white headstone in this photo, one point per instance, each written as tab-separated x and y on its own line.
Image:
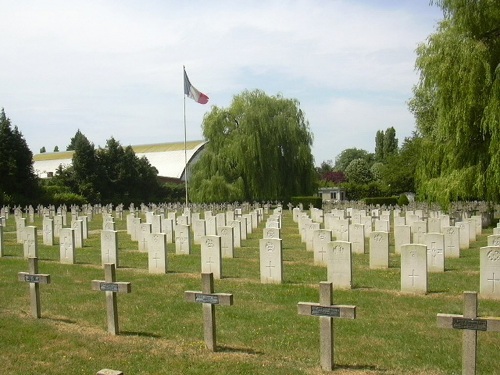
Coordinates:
418	231
144	237
464	227
382	225
494	240
435	252
157	253
310	229
451	241
198	230
236	224
414	268
402	236
227	241
48	231
211	225
271	261
67	245
30	242
167	226
357	238
271	233
379	250
182	239
339	267
489	266
211	255
321	237
109	247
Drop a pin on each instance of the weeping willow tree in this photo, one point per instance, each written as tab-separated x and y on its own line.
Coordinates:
258	149
457	104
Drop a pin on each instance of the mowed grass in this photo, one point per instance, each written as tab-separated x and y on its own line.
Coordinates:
160	333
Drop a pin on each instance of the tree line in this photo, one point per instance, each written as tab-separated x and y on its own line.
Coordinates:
113	174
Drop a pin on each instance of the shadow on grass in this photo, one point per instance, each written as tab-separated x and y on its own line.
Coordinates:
359	367
228	349
139	334
61	320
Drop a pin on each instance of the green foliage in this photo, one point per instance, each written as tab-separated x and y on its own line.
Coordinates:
174	192
68	199
110	175
386	144
376	170
56	149
358	172
379	146
456	104
398	171
42	150
74	140
259	149
381	201
403	200
307	201
390	142
357	192
345	158
18	182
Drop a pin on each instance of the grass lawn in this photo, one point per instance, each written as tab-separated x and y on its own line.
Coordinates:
161	333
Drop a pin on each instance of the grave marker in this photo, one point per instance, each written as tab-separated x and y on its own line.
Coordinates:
451	241
1	241
435	252
339	267
379	250
489	274
357	238
35	279
182	239
67	246
271	260
111	287
30	242
109	247
414	277
209	299
326	312
321	237
211	255
470	323
157	253
48	231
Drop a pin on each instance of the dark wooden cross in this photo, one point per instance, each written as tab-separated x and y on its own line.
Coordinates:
209	299
326	312
470	323
111	287
35	279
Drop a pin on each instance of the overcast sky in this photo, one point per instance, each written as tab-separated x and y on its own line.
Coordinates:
114	68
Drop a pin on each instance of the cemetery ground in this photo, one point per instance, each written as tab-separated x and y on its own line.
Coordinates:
262	333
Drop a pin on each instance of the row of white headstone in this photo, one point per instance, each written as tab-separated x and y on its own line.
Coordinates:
421	251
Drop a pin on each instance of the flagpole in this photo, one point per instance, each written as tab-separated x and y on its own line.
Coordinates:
185	142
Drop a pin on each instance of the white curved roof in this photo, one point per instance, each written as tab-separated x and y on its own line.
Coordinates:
168	158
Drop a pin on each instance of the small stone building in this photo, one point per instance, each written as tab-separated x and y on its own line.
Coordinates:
332	194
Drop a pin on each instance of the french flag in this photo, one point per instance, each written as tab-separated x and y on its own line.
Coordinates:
192	92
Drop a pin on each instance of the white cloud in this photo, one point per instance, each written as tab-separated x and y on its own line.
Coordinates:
115	68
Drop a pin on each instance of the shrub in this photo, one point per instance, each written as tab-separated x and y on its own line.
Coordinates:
387	201
403	200
317	202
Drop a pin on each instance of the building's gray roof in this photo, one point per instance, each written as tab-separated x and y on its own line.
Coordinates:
168	158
